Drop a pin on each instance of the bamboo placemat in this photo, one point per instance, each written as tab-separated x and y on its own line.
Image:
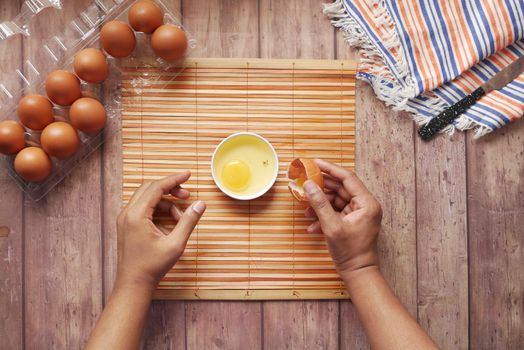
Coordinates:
241	250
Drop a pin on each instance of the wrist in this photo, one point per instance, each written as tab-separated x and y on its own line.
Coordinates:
360	273
135	282
358	263
360	279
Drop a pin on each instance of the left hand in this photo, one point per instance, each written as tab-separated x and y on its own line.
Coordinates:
148	251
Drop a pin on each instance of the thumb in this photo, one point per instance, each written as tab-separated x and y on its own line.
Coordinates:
187	222
321	205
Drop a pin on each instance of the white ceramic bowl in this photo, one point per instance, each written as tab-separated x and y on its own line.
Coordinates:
270	182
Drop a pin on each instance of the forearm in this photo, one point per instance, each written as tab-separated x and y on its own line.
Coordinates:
386	321
122	322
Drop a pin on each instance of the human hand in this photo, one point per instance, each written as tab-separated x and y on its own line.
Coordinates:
146	252
347	214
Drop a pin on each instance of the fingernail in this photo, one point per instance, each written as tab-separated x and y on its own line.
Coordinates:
199	207
310	187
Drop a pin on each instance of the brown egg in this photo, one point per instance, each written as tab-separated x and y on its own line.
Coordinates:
87	115
33	164
91	65
300	170
63	87
35	111
169	42
118	39
12	137
145	16
59	139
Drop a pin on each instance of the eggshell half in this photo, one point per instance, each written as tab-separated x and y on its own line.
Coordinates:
300	170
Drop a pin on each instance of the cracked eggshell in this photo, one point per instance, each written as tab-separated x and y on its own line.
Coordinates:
300	170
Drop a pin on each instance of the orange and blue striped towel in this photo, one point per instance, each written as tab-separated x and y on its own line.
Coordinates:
425	55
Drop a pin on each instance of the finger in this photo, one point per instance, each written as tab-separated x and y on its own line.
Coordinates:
180	192
347	210
163	229
336	202
352	183
310	213
339	203
138	192
149	199
320	203
176	212
336	186
187	223
314	228
164	205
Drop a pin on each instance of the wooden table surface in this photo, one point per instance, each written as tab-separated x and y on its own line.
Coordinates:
451	244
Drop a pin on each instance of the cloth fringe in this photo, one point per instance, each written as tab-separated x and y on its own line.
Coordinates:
389	90
394	93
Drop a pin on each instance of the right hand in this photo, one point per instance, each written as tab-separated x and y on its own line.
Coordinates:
347	214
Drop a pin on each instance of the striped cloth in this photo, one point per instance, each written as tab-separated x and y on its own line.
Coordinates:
425	55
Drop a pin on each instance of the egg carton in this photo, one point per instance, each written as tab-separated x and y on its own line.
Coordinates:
57	52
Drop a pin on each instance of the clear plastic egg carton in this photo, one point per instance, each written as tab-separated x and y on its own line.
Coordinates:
58	52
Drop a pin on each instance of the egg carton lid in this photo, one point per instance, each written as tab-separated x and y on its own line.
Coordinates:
57	48
57	52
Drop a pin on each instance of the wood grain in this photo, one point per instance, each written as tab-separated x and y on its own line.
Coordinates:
223	325
442	255
63	280
496	239
226	29
230	28
301	325
351	332
302	34
387	145
166	326
11	219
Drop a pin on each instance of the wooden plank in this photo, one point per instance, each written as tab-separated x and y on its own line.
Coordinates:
225	29
223	325
442	256
301	325
11	215
351	332
496	239
169	314
297	29
385	163
63	274
165	328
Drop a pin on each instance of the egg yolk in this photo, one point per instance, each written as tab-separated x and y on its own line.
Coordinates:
236	175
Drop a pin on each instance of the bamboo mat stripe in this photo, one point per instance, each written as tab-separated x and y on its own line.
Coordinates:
173	119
